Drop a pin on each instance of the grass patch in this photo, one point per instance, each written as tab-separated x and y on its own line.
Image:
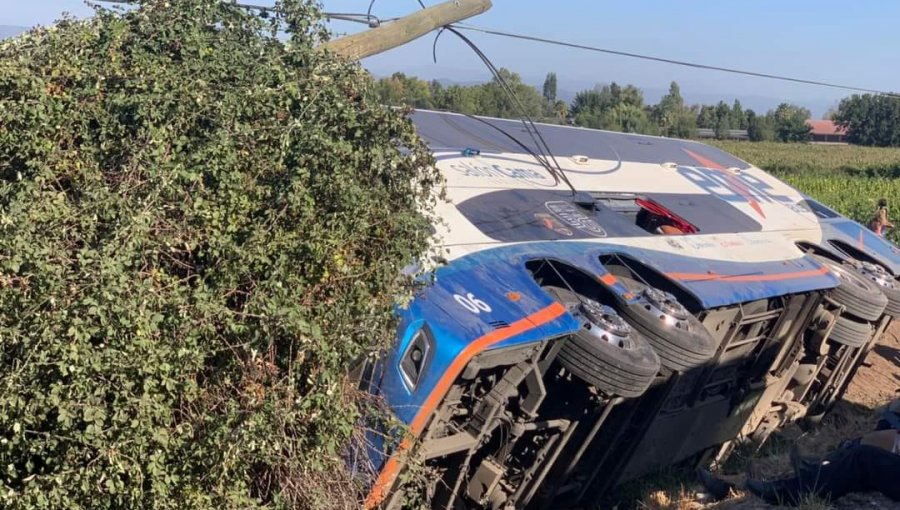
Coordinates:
662	490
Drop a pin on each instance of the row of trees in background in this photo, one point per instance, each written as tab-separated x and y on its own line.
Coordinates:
619	108
786	123
613	107
871	120
489	99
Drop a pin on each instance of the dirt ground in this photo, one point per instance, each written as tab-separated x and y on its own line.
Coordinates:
876	385
873	387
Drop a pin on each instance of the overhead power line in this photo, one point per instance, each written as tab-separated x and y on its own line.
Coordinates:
694	65
373	21
554	169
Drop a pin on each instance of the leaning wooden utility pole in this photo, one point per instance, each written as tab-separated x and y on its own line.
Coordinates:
406	29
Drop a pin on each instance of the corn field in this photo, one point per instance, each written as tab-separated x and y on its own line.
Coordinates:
783	158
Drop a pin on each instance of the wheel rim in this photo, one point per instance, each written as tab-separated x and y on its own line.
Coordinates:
847	276
877	274
666	307
603	323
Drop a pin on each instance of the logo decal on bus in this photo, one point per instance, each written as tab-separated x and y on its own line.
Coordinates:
570	215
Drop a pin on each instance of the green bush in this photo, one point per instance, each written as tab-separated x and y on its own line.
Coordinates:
202	221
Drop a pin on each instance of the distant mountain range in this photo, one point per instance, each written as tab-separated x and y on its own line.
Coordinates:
10	31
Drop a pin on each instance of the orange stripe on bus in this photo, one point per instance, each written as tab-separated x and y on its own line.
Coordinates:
608	279
703	160
392	466
748	277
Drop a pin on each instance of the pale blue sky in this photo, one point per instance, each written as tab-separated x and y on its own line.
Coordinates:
849	42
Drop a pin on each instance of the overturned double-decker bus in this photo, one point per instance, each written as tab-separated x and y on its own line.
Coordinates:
639	303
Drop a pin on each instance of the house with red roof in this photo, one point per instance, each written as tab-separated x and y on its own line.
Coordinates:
826	131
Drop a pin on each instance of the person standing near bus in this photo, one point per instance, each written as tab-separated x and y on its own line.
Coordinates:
880	220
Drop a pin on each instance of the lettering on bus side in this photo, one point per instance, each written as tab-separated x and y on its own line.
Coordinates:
471	170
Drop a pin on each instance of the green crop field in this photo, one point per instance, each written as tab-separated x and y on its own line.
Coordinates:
849	179
801	158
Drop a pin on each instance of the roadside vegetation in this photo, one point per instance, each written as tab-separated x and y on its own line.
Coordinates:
202	223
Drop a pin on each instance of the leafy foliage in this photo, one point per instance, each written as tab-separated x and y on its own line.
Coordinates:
621	108
871	119
674	119
400	90
612	107
722	118
549	89
201	225
484	99
492	99
790	123
831	160
759	127
859	204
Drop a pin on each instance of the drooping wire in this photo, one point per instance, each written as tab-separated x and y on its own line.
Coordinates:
553	168
581	298
695	65
368	18
528	150
508	90
630	269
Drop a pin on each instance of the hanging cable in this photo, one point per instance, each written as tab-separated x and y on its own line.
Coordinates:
510	93
489	31
528	150
367	19
557	173
554	169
